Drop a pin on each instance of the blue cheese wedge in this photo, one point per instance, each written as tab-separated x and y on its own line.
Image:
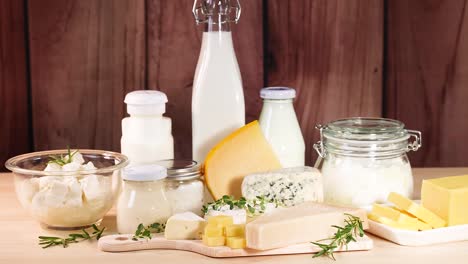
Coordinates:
289	186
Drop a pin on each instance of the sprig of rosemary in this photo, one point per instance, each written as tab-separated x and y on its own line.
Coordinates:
342	237
62	160
49	241
253	207
145	232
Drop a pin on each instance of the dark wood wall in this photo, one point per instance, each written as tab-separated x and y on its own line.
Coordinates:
65	66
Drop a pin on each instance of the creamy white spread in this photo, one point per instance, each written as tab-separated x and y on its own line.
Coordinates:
67	201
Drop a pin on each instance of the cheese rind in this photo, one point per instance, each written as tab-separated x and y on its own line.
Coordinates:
290	186
184	226
447	197
417	210
243	152
302	223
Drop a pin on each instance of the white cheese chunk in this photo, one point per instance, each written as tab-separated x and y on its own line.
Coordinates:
302	223
239	216
77	158
72	166
91	187
289	186
53	167
184	226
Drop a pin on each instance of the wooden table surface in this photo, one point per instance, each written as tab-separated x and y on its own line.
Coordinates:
19	241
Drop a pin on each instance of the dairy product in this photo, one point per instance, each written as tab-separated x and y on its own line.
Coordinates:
244	152
302	223
186	197
356	181
235	230
184	226
146	134
447	197
235	242
239	216
417	210
142	200
214	241
221	231
392	223
280	126
67	201
393	217
288	186
217	99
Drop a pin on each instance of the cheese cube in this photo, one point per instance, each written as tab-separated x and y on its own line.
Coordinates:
184	226
302	223
214	241
417	210
212	230
389	222
220	220
448	198
235	242
235	231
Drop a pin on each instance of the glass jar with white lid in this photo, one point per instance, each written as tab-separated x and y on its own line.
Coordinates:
143	199
183	186
364	159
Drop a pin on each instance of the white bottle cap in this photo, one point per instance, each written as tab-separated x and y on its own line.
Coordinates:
146	102
144	173
277	93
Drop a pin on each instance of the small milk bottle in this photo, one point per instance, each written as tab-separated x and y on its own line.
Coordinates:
146	134
217	98
280	126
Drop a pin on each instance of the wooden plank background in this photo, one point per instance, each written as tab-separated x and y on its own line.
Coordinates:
66	65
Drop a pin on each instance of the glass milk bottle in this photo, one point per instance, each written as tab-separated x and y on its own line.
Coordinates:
146	134
217	98
280	126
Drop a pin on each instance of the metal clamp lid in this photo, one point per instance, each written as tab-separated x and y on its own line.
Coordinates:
203	9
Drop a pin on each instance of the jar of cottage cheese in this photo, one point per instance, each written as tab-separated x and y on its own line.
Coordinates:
184	188
364	159
143	199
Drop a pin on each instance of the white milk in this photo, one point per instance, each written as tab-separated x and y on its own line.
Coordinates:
217	99
146	134
280	126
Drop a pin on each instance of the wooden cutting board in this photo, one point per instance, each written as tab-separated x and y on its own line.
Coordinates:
121	243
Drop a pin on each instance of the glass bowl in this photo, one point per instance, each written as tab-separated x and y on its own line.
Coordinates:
67	200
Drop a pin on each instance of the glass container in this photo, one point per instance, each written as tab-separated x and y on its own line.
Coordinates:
364	159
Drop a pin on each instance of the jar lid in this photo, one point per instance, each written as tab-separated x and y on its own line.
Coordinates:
181	169
278	93
146	102
362	136
144	173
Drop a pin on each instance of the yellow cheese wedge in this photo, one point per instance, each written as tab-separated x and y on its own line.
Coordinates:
448	198
220	220
211	230
389	222
235	231
235	242
214	241
245	151
417	210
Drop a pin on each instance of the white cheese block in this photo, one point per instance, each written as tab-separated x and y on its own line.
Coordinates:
290	186
184	226
239	216
303	223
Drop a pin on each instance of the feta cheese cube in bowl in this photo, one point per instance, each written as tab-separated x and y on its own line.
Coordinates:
67	189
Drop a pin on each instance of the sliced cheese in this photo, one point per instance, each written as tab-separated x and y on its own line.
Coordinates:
417	210
395	215
421	225
243	152
448	198
302	223
392	223
184	226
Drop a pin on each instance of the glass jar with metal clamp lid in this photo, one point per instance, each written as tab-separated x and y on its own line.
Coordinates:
184	188
364	159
